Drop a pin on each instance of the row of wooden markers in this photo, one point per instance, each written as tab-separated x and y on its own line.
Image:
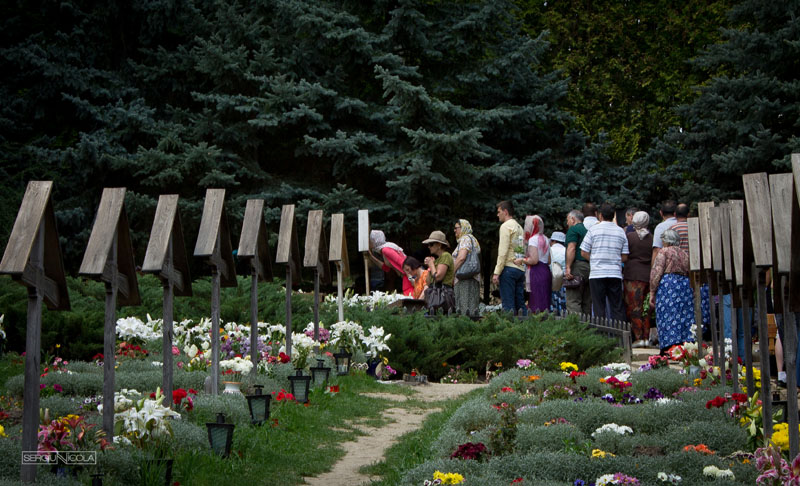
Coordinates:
33	258
732	248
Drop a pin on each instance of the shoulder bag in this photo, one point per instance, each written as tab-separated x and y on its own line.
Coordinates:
471	266
558	276
440	296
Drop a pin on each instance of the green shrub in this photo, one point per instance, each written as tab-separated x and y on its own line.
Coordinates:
450	438
531	438
473	415
234	407
188	435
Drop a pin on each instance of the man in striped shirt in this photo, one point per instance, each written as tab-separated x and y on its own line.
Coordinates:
682	227
606	247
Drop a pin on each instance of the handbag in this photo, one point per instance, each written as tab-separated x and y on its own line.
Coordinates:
576	282
471	266
441	297
558	276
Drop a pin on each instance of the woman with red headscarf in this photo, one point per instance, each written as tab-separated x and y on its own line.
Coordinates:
537	257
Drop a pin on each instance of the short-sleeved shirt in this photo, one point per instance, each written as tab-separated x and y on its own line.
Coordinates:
575	234
447	259
682	228
590	221
660	229
606	243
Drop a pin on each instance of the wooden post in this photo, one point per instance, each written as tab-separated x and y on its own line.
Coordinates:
109	258
254	246
316	256
756	192
695	269
214	245
33	259
782	199
288	253
363	242
742	256
166	258
338	253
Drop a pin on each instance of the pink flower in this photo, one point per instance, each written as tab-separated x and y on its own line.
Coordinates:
175	351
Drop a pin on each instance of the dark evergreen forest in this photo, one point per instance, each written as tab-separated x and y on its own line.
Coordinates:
421	111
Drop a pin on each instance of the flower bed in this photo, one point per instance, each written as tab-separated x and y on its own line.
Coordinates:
607	426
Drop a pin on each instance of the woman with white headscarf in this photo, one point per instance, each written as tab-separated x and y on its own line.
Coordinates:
537	257
671	293
393	257
636	278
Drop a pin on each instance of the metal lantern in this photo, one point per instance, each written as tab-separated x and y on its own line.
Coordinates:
342	362
300	384
220	435
320	373
258	405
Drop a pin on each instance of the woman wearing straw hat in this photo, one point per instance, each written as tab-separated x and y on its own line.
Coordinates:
441	268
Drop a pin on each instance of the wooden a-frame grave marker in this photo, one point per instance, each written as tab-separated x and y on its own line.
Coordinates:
166	259
109	259
363	243
288	253
718	338
33	258
316	256
782	198
728	278
696	270
338	254
742	257
759	216
214	244
705	211
254	246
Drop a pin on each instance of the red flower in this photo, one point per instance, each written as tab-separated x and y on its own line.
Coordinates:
192	391
413	373
518	480
739	397
284	357
716	402
178	395
506	389
97	356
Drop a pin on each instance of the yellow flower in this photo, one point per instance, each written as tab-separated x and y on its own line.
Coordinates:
448	478
567	366
601	453
385	361
2	431
698	381
780	435
58	346
67	418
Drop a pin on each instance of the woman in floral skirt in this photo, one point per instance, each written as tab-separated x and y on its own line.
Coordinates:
671	293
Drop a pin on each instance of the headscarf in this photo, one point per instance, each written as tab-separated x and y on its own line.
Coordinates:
534	227
640	221
466	232
379	242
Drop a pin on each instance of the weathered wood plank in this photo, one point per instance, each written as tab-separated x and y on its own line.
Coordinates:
695	255
251	227
210	223
716	238
105	226
781	199
756	193
741	247
313	237
26	227
703	212
337	249
285	234
363	230
725	233
157	246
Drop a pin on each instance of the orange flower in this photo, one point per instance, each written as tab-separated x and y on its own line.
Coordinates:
602	380
533	377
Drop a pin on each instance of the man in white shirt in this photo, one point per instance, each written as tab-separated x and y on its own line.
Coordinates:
668	216
606	247
589	211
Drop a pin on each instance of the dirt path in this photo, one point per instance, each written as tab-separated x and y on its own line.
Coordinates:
369	448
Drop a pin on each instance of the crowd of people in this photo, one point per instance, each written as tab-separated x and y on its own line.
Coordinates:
625	272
